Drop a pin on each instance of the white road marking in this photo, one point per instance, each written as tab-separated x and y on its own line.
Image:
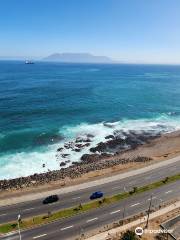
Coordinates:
115	211
76	198
168	192
62	229
134	204
28	209
90	220
4	214
39	236
150	198
115	187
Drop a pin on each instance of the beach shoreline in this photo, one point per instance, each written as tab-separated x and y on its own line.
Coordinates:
154	150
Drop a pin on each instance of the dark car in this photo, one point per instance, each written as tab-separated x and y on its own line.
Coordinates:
95	195
51	199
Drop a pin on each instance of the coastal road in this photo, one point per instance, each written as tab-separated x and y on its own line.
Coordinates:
32	208
71	228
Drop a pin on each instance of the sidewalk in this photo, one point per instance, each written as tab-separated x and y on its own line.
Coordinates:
105	235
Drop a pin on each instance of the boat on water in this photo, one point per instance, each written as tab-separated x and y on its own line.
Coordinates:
29	62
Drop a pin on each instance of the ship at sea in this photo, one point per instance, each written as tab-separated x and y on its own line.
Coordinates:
29	62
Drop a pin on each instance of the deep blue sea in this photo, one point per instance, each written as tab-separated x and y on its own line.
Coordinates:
44	105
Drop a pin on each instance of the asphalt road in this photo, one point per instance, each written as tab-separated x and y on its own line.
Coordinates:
31	208
71	228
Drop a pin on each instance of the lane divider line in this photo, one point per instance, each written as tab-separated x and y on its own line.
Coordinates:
168	192
62	229
115	211
42	235
116	187
93	219
4	214
76	198
152	198
27	209
134	204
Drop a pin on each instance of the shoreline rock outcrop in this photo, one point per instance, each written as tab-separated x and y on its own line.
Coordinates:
74	171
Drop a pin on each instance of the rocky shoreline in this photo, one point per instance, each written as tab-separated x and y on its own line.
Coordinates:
113	144
104	155
74	171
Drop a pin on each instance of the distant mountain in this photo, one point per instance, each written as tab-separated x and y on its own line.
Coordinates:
77	58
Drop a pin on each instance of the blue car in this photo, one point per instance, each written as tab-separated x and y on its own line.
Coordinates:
95	195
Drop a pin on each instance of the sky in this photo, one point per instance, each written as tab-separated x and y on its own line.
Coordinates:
146	31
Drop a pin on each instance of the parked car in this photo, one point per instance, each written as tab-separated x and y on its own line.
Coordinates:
51	199
95	195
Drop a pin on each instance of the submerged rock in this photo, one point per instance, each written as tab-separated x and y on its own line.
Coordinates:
77	149
62	164
65	155
110	137
47	138
60	149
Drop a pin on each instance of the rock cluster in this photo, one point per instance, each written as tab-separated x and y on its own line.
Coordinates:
77	145
73	171
120	141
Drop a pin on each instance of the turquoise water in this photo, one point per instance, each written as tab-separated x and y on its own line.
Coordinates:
46	104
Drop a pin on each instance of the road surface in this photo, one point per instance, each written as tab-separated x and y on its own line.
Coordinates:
32	208
71	228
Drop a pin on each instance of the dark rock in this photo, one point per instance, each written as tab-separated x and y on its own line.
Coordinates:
87	144
110	137
109	125
65	155
90	162
62	164
82	145
69	145
99	148
79	145
88	140
119	143
106	155
75	163
77	149
67	161
81	140
60	149
90	135
90	157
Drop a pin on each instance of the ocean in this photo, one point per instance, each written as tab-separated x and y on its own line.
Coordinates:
44	105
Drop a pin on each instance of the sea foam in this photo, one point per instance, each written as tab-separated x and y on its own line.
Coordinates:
27	163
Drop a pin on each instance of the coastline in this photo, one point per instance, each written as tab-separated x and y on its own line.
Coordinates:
153	150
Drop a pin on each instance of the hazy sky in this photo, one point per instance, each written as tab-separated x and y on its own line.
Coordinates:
127	30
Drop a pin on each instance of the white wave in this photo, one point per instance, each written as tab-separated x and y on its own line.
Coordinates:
24	164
